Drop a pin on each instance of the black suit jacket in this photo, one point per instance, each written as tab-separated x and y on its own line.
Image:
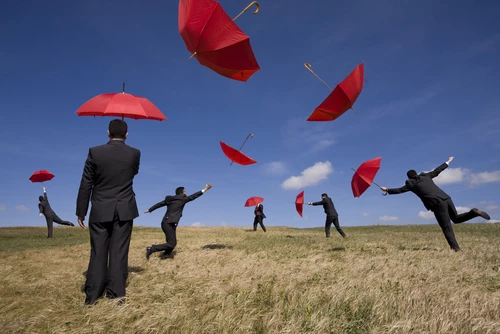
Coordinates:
108	175
423	186
44	206
175	205
259	211
328	206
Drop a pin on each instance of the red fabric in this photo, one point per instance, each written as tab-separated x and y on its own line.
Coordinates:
364	175
342	98
236	156
218	42
41	176
299	203
121	105
254	201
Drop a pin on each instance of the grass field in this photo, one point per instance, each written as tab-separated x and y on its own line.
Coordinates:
381	279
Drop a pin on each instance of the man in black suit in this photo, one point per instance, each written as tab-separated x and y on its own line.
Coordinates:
175	206
437	201
108	175
50	215
332	217
259	217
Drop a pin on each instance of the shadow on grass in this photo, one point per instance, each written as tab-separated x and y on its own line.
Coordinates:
217	246
337	249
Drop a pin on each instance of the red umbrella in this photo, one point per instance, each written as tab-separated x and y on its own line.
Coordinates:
121	104
299	202
341	98
215	40
364	175
252	201
235	155
41	176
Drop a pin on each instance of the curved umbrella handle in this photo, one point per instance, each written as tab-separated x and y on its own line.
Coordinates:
248	7
308	66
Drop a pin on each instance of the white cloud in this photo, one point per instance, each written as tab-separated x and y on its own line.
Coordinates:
223	223
309	177
322	144
486	177
311	136
492	207
274	168
21	208
451	175
430	214
3	207
364	214
198	224
388	218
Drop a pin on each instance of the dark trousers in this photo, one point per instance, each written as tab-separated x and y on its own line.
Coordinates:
109	241
51	218
335	221
258	220
170	236
445	211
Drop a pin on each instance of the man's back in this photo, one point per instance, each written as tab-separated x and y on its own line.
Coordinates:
328	206
45	206
175	206
108	174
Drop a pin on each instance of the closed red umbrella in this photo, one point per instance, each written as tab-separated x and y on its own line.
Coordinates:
215	40
121	105
341	98
41	176
364	175
252	201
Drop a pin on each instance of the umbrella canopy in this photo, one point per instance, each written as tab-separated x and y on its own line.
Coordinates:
236	156
215	40
299	202
41	176
252	201
364	175
121	104
341	98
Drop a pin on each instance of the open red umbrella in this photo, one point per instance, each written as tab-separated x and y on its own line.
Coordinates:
41	176
299	202
215	40
252	201
364	175
341	98
235	155
121	104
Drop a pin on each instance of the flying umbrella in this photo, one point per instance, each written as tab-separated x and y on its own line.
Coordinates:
215	40
364	175
299	202
341	98
121	104
235	155
252	201
41	176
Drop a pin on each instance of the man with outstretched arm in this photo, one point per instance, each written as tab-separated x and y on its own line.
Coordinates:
332	217
50	215
437	201
175	206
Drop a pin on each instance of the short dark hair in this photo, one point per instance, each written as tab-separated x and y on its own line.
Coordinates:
411	174
40	198
324	194
179	190
118	128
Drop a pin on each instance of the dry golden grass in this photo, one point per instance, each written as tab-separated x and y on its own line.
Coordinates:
379	280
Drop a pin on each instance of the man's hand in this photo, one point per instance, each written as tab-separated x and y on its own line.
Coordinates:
147	211
450	159
383	189
309	203
80	222
41	214
208	186
43	189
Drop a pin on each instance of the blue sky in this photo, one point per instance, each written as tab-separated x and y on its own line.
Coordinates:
432	76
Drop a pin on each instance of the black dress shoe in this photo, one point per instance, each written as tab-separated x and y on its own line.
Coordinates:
481	213
148	252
